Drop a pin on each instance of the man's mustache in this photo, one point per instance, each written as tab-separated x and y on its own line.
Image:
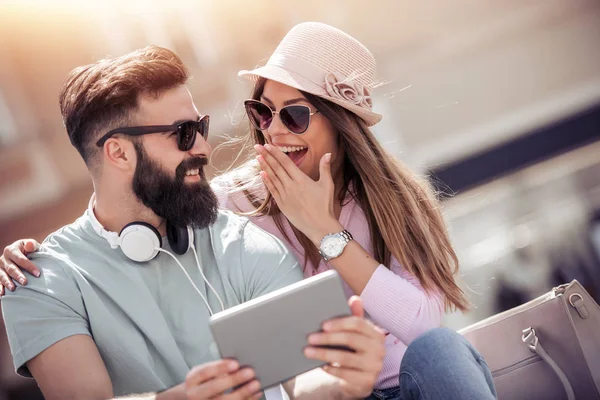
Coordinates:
191	163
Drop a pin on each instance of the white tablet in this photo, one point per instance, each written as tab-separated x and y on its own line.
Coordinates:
269	333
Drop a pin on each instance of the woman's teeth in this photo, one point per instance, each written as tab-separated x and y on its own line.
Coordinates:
192	172
289	149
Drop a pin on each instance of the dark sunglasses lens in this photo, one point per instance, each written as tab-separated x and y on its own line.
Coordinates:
203	127
295	118
186	135
259	114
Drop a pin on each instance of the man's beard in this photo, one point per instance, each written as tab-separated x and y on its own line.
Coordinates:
180	204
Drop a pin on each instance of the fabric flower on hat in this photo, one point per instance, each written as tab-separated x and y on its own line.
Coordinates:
349	90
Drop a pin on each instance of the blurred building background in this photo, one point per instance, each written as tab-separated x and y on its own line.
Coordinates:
498	101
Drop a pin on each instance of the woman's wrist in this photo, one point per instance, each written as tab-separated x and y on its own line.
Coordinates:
333	226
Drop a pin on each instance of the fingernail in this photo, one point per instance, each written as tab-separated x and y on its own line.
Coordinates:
232	366
310	352
258	147
254	386
12	288
328	157
268	146
327	326
313	339
22	281
247	374
37	274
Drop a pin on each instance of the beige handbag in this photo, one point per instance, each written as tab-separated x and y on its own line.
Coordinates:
548	348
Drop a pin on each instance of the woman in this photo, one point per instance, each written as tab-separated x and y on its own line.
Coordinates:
323	183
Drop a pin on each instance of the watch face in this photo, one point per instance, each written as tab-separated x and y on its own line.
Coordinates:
332	246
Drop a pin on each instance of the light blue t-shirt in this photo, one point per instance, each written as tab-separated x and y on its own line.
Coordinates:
146	319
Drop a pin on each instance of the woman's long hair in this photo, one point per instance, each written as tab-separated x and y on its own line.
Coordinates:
403	214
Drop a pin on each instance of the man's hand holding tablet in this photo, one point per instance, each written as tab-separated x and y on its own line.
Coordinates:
301	327
358	370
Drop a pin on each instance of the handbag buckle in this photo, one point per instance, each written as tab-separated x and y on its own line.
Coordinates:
530	339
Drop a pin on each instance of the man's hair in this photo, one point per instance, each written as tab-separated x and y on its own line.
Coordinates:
102	96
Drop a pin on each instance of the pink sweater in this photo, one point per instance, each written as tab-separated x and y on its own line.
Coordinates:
393	298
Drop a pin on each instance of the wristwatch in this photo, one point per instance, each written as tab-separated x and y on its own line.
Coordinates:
333	244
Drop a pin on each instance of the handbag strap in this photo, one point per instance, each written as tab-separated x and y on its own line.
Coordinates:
531	340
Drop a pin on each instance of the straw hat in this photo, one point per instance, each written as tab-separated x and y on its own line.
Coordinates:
324	61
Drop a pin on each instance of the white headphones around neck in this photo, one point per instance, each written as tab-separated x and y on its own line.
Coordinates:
141	242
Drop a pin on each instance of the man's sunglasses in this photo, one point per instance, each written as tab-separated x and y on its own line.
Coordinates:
186	132
296	118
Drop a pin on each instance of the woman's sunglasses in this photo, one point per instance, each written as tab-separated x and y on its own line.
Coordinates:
186	132
296	118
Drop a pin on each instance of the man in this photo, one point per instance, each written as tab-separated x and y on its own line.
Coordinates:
97	323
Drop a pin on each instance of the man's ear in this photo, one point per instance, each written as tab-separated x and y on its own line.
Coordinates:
120	153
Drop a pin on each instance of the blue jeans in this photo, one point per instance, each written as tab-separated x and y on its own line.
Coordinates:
441	364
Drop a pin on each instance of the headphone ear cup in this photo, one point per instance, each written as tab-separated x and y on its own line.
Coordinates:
180	239
139	241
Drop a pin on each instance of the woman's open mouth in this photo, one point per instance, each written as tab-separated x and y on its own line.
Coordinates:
295	153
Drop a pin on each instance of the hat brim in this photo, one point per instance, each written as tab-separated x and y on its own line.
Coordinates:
278	74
